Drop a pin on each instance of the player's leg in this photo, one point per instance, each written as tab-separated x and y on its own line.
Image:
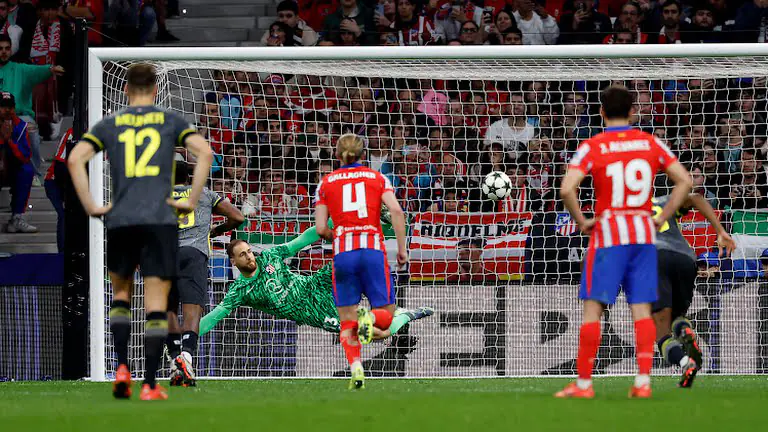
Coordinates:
380	291
193	290
347	295
173	340
401	317
600	279
122	259
158	266
681	327
641	289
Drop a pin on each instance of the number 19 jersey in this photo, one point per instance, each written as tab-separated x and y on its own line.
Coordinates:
353	194
623	163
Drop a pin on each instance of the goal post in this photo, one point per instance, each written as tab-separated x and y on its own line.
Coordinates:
521	324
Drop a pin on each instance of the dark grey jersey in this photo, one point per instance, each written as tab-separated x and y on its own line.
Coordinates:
140	143
669	236
194	227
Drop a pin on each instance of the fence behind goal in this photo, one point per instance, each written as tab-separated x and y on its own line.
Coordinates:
502	276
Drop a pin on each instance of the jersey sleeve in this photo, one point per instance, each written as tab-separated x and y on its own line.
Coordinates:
98	134
182	128
666	157
582	160
281	252
320	193
387	184
213	197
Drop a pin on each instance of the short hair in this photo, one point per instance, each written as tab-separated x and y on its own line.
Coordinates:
232	245
48	4
181	171
6	38
141	78
617	102
288	5
673	2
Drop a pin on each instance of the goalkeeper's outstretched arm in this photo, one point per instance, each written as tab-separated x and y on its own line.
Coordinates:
305	239
221	311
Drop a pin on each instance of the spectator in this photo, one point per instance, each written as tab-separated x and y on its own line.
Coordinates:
702	28
731	133
584	26
52	44
749	189
450	15
493	158
470	34
502	23
210	128
519	199
575	117
384	15
91	10
690	147
354	17
132	21
388	38
288	14
271	198
314	12
279	34
379	149
317	133
324	167
512	132
24	15
711	168
750	25
513	36
621	37
449	202
12	30
629	21
537	25
19	79
469	253
56	183
413	29
700	187
311	96
643	113
672	25
16	171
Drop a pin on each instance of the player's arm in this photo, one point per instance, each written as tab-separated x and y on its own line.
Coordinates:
569	193
305	239
201	150
77	161
221	311
234	217
724	240
683	183
398	224
321	222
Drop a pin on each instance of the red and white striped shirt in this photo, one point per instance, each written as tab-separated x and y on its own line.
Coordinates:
623	163
353	197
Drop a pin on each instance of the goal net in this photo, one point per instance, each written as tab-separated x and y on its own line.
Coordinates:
503	276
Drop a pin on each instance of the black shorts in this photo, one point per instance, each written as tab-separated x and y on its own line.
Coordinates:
153	248
677	279
191	284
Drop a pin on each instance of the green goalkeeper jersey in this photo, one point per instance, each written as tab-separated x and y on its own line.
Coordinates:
276	290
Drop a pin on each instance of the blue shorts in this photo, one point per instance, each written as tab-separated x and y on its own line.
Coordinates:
632	268
362	271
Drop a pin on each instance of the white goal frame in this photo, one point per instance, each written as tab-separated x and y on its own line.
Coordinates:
97	57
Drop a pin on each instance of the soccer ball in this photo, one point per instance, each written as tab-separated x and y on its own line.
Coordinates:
496	186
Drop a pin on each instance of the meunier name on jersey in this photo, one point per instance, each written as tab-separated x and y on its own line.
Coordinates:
133	120
625	146
351	176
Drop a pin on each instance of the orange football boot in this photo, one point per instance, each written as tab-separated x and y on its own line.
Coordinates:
573	391
643	392
121	388
148	393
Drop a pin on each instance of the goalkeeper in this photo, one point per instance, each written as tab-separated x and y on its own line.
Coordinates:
266	283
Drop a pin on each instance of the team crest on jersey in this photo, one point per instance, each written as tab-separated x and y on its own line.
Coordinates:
270	269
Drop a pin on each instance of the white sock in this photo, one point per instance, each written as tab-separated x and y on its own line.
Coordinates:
187	356
355	365
684	361
642	380
583	383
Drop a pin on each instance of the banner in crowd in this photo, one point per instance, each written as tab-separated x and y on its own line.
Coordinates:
468	246
750	230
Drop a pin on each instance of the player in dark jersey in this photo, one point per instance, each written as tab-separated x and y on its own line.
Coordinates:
191	285
141	222
675	337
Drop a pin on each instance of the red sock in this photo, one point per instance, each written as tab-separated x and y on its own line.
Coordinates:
349	341
645	334
383	318
589	342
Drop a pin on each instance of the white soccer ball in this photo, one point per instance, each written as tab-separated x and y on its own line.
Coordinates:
496	186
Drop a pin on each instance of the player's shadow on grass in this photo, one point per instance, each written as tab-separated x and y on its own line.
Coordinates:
390	362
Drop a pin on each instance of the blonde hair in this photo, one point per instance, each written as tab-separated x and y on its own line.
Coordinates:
349	148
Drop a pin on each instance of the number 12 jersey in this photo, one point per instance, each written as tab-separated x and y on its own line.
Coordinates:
623	163
353	194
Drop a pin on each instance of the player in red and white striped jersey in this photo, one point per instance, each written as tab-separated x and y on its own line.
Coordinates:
623	163
352	196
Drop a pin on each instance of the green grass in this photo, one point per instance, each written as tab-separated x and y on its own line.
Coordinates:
716	403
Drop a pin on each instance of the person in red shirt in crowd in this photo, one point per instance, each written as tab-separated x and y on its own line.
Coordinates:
272	198
7	28
55	184
311	96
629	22
314	12
211	129
413	29
91	10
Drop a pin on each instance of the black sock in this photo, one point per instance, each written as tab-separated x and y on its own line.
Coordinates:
173	344
671	350
120	325
189	342
155	332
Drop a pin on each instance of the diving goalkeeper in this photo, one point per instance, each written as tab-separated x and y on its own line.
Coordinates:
266	283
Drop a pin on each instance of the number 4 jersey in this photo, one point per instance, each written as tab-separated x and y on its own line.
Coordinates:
623	163
353	194
140	144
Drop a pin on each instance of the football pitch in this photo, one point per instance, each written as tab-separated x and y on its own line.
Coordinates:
715	403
